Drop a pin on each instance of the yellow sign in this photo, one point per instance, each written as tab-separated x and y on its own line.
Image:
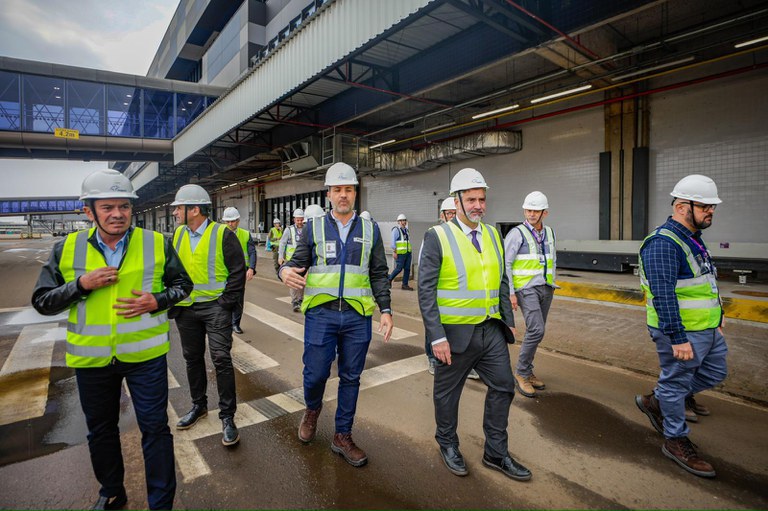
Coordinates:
65	133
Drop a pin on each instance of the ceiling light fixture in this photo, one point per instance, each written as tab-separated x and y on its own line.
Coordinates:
383	144
654	68
439	126
561	94
497	111
751	42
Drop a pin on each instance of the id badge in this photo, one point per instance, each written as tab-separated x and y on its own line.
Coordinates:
330	249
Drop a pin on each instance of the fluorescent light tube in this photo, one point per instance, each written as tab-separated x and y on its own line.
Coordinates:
382	144
497	111
560	94
753	41
440	126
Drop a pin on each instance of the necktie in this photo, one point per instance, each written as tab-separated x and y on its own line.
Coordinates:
475	242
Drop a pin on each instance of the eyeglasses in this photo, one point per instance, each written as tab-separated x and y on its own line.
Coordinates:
703	207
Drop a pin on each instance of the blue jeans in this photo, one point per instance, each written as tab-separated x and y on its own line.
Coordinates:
99	390
403	263
328	333
679	379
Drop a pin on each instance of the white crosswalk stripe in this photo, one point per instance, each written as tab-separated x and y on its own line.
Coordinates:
248	359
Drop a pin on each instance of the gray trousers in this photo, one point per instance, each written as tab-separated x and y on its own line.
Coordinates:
489	356
534	302
297	295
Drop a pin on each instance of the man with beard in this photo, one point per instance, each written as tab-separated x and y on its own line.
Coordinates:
464	300
684	316
346	278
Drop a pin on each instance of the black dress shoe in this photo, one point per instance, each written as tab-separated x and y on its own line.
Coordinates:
237	329
454	460
117	502
508	466
230	436
190	419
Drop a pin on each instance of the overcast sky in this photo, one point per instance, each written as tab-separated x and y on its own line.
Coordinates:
115	35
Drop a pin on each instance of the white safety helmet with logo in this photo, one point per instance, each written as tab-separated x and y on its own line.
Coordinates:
536	201
191	195
401	216
107	184
448	205
467	179
276	221
298	213
313	211
340	174
696	188
230	214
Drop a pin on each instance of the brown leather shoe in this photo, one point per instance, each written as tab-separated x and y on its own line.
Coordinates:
344	445
524	385
696	407
308	426
649	405
536	383
683	452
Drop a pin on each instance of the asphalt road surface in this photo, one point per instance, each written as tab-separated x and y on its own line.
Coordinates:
584	439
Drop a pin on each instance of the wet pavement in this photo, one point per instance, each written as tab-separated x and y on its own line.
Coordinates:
584	439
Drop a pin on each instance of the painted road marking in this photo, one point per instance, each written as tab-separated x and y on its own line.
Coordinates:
25	376
276	321
188	456
28	316
248	359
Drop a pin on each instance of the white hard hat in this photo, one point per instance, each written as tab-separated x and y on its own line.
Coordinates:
366	215
107	184
340	174
401	216
448	205
276	221
697	188
230	214
298	213
191	195
536	201
313	211
467	179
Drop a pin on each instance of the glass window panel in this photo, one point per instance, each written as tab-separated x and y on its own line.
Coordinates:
43	103
85	101
123	111
10	101
158	114
188	106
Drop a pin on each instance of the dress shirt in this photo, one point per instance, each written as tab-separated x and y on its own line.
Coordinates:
194	236
343	228
113	257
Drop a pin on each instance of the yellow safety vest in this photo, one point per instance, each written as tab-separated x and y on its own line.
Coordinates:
205	265
275	234
469	281
526	266
244	237
290	248
697	297
95	333
330	277
402	245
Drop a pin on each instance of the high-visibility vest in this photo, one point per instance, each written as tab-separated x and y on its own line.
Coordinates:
402	245
340	270
95	333
275	234
469	281
244	237
529	260
290	248
697	297
205	265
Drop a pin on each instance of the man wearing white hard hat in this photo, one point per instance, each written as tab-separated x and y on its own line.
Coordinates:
287	247
401	248
464	302
530	264
340	264
213	257
684	315
231	217
275	235
116	282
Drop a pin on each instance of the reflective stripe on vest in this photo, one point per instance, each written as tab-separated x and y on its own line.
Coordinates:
244	237
291	247
340	279
205	265
402	245
95	333
463	297
525	266
698	297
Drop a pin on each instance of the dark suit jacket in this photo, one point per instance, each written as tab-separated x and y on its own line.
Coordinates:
429	272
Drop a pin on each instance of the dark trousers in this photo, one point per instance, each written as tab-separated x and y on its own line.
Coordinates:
403	263
487	353
237	314
99	390
328	333
193	323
